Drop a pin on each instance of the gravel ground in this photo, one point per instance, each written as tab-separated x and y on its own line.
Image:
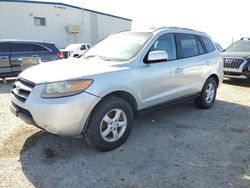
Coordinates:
179	146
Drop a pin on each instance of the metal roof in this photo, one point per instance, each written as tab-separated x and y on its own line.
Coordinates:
64	4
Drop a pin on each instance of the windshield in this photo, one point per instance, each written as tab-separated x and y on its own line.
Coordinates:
121	46
239	46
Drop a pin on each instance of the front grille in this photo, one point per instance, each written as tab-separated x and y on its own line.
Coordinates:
22	89
233	63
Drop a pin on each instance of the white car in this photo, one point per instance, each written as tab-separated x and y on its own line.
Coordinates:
75	50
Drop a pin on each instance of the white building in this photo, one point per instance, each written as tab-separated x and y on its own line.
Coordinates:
58	23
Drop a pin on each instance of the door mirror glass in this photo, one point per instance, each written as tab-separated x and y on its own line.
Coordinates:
157	56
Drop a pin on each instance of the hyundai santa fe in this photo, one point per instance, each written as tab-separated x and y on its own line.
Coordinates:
128	73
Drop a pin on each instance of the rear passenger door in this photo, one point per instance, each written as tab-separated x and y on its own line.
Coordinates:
190	71
4	57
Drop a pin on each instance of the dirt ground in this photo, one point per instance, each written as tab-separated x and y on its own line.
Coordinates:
178	146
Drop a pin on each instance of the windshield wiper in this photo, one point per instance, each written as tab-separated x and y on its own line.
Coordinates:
102	57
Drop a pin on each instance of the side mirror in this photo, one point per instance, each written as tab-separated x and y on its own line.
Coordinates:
157	56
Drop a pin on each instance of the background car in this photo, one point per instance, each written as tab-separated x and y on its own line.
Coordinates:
237	59
17	55
75	50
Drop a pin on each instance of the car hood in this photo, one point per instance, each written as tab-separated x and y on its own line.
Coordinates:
236	54
69	69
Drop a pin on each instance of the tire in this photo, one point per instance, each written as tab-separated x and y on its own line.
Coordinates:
110	124
210	88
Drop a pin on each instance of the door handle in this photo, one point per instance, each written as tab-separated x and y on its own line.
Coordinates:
178	70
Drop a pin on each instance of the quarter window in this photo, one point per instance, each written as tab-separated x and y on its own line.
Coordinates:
40	21
188	45
166	43
208	44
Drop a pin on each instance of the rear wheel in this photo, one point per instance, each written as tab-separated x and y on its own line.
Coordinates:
208	94
110	124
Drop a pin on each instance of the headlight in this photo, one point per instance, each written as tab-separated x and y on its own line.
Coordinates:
65	88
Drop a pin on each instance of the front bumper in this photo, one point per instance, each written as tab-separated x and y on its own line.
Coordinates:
65	116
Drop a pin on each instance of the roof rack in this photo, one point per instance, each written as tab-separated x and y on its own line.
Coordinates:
172	27
245	38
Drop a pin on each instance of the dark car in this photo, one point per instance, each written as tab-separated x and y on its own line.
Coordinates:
237	59
16	55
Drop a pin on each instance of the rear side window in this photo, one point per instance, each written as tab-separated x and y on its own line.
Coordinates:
4	47
83	47
166	43
25	47
208	44
188	45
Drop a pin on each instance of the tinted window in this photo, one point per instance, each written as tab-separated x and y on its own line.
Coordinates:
88	46
208	44
25	47
188	45
166	43
4	47
201	49
83	47
39	48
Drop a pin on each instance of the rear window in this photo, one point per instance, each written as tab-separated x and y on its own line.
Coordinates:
25	47
208	44
4	47
188	45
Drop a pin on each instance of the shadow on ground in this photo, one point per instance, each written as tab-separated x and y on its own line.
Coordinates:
179	146
237	82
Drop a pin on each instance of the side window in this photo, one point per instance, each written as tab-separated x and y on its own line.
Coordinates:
188	45
25	47
4	47
208	44
166	43
83	47
201	49
88	46
21	47
39	48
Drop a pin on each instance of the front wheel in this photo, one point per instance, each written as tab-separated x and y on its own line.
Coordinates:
208	94
110	124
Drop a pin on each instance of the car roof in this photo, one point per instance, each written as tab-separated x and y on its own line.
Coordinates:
26	41
170	28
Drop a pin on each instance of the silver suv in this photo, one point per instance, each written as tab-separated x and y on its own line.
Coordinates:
128	73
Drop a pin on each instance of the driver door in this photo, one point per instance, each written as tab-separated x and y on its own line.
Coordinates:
158	83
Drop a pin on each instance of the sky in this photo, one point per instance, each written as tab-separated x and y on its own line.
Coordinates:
224	20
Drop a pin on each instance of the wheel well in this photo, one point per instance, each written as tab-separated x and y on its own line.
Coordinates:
214	76
127	97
